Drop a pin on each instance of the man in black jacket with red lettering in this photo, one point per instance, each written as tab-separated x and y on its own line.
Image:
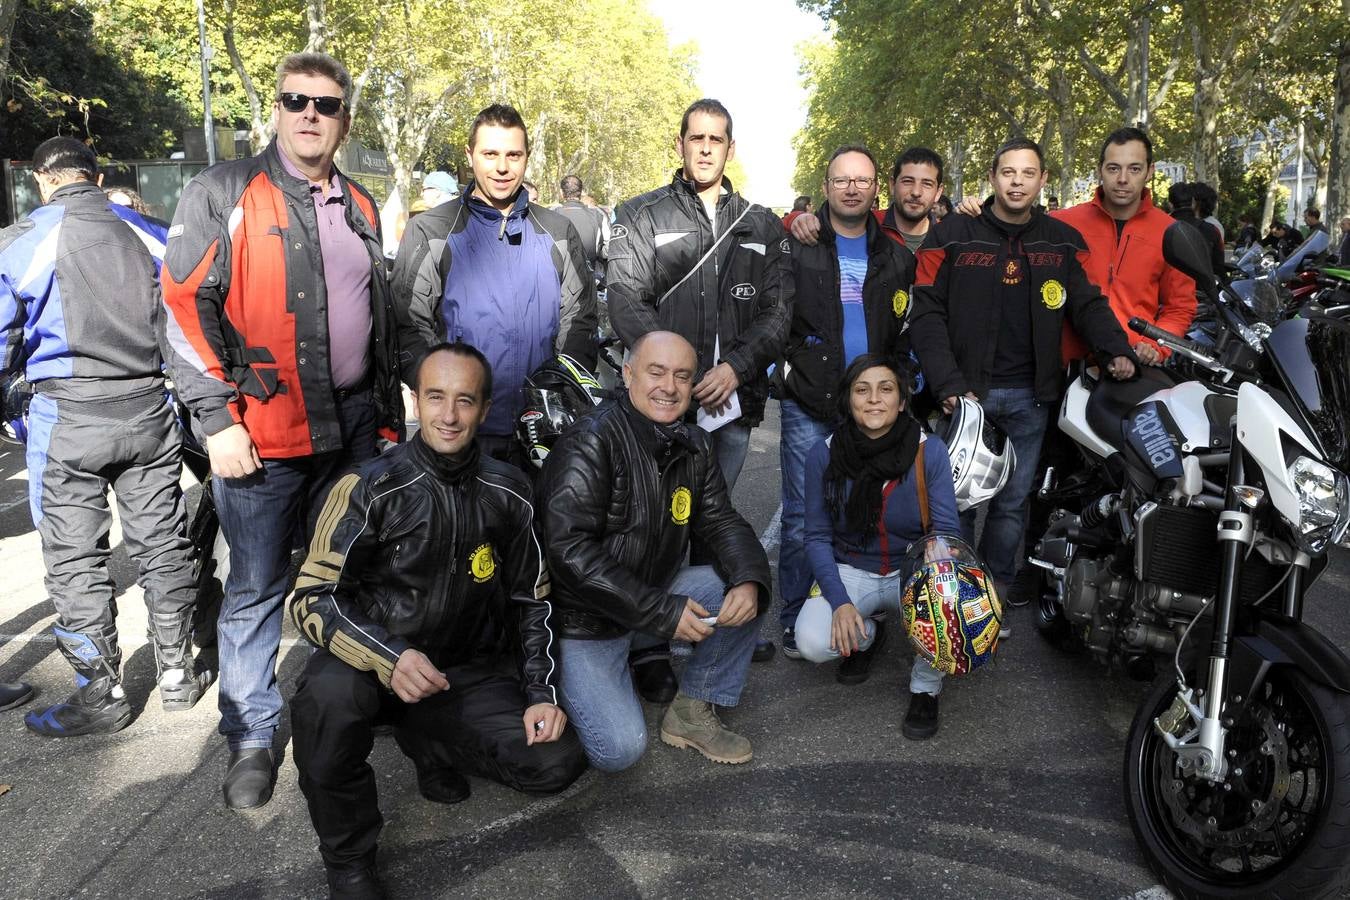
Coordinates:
989	305
426	594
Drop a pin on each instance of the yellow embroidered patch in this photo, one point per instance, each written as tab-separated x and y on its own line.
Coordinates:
680	503
481	563
1052	294
900	303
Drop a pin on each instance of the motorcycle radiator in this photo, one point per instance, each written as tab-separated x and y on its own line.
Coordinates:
1178	547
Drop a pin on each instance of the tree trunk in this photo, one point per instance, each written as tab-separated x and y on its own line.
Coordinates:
316	18
1209	100
260	126
1338	185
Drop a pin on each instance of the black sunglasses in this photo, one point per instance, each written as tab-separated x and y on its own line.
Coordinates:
291	101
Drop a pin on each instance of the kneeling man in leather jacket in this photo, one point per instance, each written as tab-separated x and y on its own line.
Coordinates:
623	489
426	593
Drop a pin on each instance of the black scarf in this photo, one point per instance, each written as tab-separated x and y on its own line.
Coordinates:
447	468
869	463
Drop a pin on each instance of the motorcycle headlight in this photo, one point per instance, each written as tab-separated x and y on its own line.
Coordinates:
1323	502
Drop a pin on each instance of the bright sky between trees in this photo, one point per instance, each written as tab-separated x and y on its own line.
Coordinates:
748	60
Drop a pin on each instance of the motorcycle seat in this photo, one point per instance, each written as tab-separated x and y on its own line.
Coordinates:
1111	401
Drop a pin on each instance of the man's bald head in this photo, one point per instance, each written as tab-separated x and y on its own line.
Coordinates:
660	375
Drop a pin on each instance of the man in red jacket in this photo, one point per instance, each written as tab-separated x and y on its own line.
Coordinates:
1123	231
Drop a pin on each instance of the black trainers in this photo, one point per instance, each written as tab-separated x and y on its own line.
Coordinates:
764	651
655	680
15	694
921	721
856	668
97	707
442	785
1025	586
790	644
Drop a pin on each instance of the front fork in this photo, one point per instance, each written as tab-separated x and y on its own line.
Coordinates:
1195	731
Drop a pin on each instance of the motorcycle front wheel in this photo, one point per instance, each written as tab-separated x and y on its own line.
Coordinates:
1277	826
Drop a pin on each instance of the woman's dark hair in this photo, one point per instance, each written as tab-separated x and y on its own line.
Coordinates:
903	377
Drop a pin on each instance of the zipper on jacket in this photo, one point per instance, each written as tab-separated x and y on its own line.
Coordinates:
1119	261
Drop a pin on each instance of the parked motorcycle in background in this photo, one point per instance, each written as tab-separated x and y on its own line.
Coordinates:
1206	511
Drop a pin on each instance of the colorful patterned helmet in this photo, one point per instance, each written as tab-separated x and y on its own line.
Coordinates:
951	609
556	394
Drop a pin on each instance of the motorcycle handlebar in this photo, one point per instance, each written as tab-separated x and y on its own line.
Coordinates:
1149	330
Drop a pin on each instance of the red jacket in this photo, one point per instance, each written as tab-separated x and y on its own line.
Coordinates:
1130	270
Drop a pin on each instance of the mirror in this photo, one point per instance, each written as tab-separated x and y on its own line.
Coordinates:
1184	248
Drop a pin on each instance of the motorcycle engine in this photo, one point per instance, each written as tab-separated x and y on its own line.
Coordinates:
1094	598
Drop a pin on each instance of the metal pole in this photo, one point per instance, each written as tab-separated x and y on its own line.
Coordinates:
208	127
1298	199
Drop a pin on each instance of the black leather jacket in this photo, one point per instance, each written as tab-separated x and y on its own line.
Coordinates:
740	296
620	503
814	355
410	552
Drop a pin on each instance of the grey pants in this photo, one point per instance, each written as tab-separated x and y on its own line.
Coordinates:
76	451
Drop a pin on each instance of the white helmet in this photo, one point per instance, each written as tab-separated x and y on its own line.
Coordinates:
982	456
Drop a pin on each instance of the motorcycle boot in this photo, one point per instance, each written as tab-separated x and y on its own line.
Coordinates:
182	682
99	705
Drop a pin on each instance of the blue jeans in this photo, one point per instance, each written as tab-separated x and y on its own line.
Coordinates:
260	516
870	593
1024	420
798	433
731	442
597	686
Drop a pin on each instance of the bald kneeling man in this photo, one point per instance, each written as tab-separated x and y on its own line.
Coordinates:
426	594
622	492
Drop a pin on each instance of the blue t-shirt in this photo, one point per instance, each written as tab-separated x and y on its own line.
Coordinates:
852	273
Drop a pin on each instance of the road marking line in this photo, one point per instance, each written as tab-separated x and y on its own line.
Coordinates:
45	637
773	532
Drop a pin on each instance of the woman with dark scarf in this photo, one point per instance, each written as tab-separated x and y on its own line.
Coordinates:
862	512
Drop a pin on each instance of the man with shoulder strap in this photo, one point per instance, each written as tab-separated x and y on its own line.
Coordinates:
850	297
282	347
80	299
492	269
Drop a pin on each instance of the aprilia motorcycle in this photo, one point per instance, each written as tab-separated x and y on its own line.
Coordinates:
1207	513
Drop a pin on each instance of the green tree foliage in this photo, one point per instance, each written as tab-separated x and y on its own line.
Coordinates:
960	76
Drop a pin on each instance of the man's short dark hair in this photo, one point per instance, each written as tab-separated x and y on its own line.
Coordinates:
1018	144
706	105
458	348
1181	195
1124	136
1313	212
571	187
65	157
316	64
1206	198
917	156
801	203
501	115
851	148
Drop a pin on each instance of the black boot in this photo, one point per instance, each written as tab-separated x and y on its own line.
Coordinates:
249	779
652	675
181	681
355	884
921	720
99	705
856	668
12	695
442	784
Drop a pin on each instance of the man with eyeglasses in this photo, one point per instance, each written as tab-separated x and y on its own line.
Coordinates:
850	297
281	345
916	185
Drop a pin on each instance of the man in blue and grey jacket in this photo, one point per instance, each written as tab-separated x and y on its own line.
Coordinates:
82	313
494	270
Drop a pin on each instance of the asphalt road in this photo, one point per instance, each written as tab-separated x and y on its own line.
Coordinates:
1019	795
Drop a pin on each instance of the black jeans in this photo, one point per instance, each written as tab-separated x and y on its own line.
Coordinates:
475	727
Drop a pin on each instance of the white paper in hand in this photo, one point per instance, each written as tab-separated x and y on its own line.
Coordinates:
729	413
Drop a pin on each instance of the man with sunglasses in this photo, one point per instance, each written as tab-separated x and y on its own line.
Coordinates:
282	347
